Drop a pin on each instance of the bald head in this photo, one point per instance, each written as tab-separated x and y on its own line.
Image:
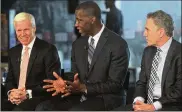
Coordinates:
24	16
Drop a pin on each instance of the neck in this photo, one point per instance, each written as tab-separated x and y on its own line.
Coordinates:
162	41
96	29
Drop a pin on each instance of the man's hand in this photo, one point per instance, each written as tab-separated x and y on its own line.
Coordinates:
140	106
17	96
22	96
76	86
57	85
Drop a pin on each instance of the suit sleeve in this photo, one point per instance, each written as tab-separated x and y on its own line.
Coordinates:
141	84
116	73
175	93
10	80
73	61
51	63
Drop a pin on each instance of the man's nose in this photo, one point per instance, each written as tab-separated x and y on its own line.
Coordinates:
23	33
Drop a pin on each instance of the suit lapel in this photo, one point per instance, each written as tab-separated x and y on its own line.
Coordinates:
150	60
18	61
85	55
100	44
33	56
167	63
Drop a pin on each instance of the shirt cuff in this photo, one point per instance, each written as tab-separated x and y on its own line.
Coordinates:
8	92
139	98
157	105
29	93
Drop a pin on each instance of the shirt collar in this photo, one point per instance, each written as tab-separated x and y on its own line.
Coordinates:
166	46
97	36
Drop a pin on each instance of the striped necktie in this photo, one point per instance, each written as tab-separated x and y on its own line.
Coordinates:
91	51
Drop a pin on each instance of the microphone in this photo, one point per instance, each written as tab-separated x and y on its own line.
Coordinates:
86	47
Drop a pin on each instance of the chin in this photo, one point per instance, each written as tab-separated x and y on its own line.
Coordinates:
24	43
83	34
149	44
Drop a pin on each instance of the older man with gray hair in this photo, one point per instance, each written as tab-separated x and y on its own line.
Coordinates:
160	82
30	62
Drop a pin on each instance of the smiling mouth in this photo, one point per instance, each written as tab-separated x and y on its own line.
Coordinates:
23	38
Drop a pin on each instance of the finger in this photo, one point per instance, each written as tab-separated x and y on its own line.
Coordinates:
69	83
56	75
55	93
13	90
48	86
22	89
17	103
48	81
67	94
11	100
16	97
69	87
20	92
15	100
137	108
52	89
139	102
76	76
67	91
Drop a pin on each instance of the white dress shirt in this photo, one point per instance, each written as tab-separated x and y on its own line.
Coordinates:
30	46
157	86
97	36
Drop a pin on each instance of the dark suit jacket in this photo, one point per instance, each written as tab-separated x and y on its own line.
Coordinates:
171	84
108	69
43	61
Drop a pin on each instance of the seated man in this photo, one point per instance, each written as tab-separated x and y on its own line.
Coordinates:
30	62
99	62
160	82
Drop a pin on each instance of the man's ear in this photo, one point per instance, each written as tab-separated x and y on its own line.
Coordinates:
161	32
93	20
33	29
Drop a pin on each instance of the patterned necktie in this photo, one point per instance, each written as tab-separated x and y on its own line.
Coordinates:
90	56
23	70
153	76
91	51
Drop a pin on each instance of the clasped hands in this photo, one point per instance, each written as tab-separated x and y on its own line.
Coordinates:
140	106
16	96
64	87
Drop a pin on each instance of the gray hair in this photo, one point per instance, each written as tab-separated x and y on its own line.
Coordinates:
23	16
163	20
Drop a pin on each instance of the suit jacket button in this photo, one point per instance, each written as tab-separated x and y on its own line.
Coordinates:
88	81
